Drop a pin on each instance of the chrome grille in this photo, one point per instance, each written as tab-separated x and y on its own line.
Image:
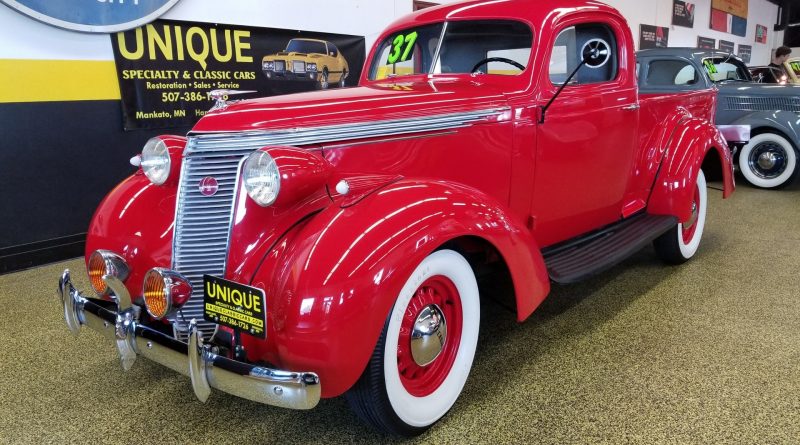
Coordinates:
755	103
203	223
280	65
299	67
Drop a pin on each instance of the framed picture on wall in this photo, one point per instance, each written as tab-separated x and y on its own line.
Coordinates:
745	52
683	14
761	34
726	46
651	36
706	43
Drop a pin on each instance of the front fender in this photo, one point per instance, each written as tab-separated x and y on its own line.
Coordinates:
686	151
331	283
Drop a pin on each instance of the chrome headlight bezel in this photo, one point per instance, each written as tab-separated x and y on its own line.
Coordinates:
261	178
156	161
311	67
268	65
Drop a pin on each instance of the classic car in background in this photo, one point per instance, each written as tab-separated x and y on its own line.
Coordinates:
768	74
769	159
332	243
309	60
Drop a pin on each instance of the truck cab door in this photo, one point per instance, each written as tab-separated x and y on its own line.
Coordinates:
586	142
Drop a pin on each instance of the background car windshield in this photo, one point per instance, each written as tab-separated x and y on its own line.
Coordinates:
466	47
720	69
794	65
306	46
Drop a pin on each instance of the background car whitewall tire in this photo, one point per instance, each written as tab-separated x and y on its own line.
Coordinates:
769	161
398	395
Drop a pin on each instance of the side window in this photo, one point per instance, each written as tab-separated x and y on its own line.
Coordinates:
668	73
333	50
569	48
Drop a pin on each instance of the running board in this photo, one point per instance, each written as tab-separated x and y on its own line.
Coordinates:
579	258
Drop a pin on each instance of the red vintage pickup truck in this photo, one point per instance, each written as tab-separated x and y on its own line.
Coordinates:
332	243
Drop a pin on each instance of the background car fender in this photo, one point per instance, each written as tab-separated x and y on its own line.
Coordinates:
686	151
785	122
331	283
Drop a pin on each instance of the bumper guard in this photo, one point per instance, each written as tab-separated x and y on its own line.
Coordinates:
296	390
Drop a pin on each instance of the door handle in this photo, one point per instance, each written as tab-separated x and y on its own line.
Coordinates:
632	107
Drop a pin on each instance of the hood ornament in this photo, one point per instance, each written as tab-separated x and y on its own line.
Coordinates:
220	97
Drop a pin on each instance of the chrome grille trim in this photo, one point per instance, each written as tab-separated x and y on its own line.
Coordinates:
758	103
344	132
203	223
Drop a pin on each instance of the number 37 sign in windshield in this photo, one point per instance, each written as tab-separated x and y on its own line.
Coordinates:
102	16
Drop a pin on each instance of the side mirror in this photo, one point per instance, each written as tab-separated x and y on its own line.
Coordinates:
595	53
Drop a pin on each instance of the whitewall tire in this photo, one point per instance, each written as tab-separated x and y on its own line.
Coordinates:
768	161
681	242
423	358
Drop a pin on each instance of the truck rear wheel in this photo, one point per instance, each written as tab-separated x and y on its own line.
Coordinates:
423	357
681	242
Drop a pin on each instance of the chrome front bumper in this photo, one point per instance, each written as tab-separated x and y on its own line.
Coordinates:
296	390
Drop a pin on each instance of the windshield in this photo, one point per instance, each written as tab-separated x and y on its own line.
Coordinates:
306	46
794	65
720	69
500	47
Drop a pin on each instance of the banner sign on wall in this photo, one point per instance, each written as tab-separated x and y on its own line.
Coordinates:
167	69
745	53
735	7
683	14
761	34
726	46
93	16
706	43
653	36
727	22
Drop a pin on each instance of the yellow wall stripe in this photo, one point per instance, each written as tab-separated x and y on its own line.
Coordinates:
57	80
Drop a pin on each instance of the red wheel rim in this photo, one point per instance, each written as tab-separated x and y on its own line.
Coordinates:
687	232
421	381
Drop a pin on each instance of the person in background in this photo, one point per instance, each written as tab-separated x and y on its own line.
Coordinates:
781	55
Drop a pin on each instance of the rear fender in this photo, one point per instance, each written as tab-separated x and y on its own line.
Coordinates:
332	281
686	151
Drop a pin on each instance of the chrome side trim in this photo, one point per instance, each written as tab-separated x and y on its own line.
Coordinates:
345	132
388	139
286	389
735	133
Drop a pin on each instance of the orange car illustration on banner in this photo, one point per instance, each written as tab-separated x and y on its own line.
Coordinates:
313	60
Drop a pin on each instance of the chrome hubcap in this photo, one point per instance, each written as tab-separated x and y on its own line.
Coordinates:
693	218
767	160
429	335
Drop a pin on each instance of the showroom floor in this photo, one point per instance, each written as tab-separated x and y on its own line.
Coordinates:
708	352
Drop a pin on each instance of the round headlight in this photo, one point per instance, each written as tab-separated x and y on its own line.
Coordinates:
262	178
165	291
156	161
104	262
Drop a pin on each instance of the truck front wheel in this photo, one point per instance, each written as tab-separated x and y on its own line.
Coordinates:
768	161
423	357
682	241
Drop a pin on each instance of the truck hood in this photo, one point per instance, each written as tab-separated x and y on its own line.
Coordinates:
375	102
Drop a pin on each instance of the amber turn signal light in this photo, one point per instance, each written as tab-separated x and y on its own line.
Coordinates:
105	262
165	291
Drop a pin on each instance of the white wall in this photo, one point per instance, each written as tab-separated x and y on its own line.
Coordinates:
659	13
25	38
